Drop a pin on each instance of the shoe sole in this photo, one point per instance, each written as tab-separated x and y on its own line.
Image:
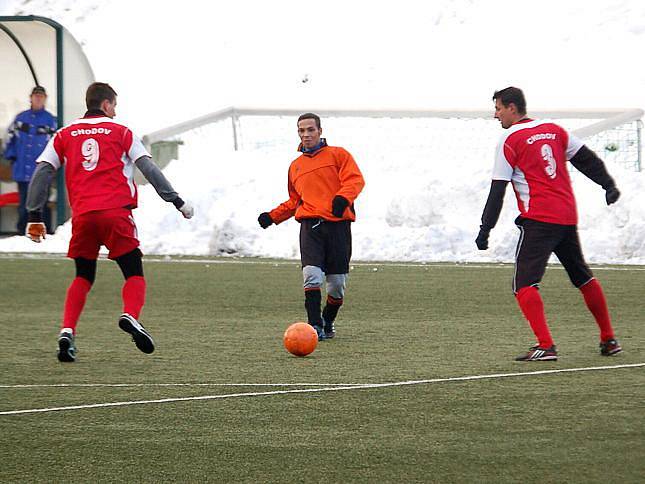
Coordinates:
64	356
540	358
613	352
142	340
330	335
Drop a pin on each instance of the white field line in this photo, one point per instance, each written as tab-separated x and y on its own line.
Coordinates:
80	385
285	262
318	389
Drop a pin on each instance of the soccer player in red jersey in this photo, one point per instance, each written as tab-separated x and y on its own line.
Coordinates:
99	156
533	155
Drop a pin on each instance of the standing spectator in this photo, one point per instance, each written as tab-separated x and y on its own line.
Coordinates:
99	156
28	136
533	155
323	183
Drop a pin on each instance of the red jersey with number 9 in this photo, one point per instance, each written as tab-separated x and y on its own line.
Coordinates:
98	155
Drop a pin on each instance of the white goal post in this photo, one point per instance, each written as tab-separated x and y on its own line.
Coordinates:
593	123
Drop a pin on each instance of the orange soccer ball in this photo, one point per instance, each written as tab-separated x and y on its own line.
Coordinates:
300	339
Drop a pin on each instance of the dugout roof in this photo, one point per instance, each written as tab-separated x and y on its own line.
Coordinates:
39	51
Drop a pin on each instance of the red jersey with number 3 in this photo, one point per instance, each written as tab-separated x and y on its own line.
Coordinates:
98	155
533	156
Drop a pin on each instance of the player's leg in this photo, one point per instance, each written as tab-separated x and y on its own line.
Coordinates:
134	296
338	254
121	240
84	249
74	304
569	252
77	292
312	257
336	284
133	291
534	248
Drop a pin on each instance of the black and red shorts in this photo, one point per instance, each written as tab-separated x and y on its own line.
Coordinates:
538	240
325	244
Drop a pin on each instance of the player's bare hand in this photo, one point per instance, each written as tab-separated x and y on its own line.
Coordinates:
36	231
187	210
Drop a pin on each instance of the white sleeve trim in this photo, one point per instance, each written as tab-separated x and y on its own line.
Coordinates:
502	169
49	154
137	150
573	146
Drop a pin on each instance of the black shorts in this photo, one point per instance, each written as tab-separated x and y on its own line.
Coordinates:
538	240
327	245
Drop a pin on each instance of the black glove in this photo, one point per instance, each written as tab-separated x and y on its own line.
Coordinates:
265	220
611	195
45	130
482	239
338	206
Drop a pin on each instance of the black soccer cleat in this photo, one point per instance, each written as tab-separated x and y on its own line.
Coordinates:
140	336
328	329
609	347
66	347
535	353
320	332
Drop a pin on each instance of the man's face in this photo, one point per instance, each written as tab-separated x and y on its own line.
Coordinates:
109	107
309	133
507	115
38	101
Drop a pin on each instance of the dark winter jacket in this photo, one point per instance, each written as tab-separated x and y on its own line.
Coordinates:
28	136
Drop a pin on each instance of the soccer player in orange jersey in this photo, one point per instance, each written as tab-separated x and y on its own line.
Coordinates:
323	183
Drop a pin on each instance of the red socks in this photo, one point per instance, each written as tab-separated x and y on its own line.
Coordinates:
597	304
532	307
75	301
134	295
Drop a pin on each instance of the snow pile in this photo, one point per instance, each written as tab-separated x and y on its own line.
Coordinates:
422	200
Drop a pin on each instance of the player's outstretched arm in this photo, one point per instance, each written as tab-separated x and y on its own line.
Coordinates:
282	212
590	165
493	208
36	200
157	179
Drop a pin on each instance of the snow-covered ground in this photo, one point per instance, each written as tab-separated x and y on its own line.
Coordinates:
426	186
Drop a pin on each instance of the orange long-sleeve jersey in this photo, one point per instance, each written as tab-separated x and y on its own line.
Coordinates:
315	179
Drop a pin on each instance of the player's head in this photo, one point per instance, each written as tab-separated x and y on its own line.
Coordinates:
309	130
100	95
38	98
510	106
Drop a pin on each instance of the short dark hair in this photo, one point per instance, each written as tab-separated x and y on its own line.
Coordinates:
98	92
512	95
313	116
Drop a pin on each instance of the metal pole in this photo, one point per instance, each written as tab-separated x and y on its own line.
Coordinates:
234	121
61	197
639	144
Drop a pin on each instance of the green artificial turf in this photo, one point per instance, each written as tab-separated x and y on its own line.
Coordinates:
221	322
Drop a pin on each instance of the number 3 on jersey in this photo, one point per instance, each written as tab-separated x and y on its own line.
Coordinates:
90	153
